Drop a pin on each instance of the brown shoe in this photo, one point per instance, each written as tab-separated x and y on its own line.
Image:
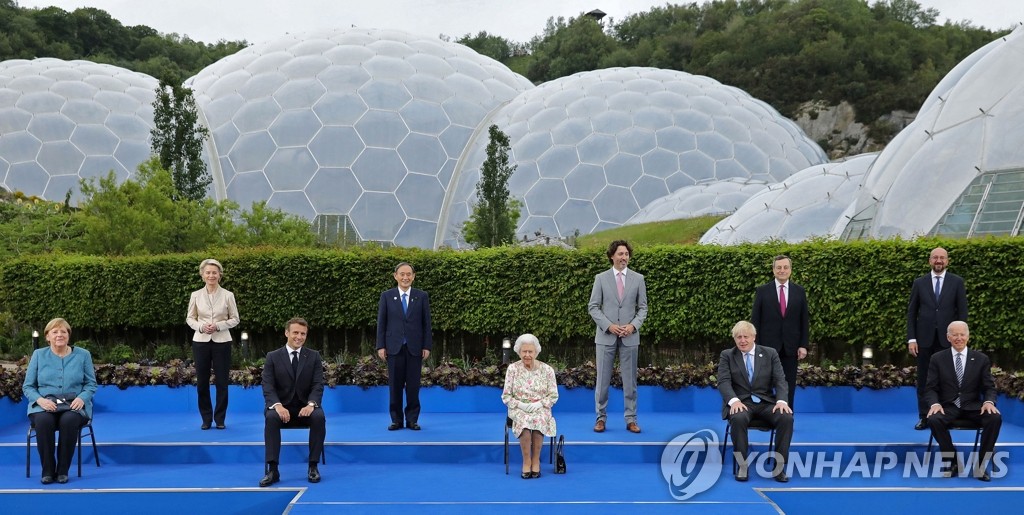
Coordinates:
632	427
599	426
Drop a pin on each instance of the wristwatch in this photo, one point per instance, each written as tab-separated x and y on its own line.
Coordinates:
311	403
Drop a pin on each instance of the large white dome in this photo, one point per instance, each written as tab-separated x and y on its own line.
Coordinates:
61	121
595	147
367	124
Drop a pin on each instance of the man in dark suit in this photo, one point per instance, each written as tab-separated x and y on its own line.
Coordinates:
753	387
782	319
618	305
293	385
404	339
960	386
936	300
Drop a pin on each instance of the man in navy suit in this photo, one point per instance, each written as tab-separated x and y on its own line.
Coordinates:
936	299
404	339
293	385
753	387
782	320
969	394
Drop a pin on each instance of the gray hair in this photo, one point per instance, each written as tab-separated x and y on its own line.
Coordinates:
744	327
211	261
526	339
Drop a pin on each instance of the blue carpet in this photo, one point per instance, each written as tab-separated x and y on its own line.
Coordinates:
883	502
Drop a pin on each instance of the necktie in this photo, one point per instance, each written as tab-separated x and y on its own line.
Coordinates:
959	365
295	362
621	284
750	375
782	299
938	287
405	303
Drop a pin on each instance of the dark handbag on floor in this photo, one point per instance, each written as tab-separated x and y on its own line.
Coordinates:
62	401
560	455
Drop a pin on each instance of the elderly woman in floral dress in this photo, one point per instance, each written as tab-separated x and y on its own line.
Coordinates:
530	392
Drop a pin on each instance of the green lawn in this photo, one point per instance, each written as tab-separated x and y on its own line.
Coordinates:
678	232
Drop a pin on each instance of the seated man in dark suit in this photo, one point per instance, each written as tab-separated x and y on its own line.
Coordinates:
293	385
753	387
960	386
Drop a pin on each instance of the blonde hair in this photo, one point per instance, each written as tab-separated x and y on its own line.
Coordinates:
55	323
211	261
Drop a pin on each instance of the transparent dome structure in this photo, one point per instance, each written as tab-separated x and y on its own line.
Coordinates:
709	198
364	124
958	169
812	203
595	147
61	121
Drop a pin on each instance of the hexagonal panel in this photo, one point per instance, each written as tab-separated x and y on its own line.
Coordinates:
377	216
290	169
294	202
252	151
294	128
381	129
379	169
422	154
421	196
333	190
336	146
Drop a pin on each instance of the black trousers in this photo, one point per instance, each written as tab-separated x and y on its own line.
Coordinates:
219	355
789	369
316	422
924	356
404	376
990	424
47	424
782	422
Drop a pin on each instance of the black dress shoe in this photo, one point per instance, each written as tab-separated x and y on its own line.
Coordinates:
414	426
46	480
313	475
62	478
205	426
394	426
220	425
781	477
741	476
921	425
984	477
270	478
527	474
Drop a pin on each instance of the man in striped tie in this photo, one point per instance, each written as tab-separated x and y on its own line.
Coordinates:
960	388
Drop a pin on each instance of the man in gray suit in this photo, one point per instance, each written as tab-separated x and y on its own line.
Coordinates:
754	387
618	305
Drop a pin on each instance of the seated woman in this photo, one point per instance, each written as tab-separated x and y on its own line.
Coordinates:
530	392
59	385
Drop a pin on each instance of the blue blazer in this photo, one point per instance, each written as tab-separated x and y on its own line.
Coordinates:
395	327
48	374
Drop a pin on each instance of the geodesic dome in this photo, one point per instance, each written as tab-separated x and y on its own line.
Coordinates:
61	121
362	123
595	147
958	169
812	203
708	198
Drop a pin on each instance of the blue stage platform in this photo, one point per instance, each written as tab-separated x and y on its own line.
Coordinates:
155	456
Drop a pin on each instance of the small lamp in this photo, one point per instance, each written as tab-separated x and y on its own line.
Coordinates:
867	355
506	350
245	345
35	340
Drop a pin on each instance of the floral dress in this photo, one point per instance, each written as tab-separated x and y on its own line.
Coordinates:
523	386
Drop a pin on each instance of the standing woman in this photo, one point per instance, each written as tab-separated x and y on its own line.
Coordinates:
59	385
212	312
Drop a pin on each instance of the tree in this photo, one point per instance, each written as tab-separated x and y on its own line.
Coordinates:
494	217
178	140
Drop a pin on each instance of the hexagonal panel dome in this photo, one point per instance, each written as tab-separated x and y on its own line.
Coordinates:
708	198
370	106
64	120
812	203
620	138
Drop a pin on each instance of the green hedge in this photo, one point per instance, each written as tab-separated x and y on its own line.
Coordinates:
857	292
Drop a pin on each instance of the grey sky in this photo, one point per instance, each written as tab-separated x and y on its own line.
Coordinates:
519	20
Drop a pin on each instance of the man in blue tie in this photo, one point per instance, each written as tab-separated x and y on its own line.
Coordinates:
404	339
936	299
753	387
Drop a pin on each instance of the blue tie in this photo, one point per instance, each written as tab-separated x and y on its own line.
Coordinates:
750	375
937	288
405	303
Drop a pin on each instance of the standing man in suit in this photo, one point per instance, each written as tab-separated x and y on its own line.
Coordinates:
782	320
618	305
960	386
404	339
753	387
293	385
936	299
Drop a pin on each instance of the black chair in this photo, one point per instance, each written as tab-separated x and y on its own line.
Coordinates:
508	429
759	425
32	434
959	424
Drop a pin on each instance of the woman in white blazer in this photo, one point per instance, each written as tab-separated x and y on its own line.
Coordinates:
212	312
